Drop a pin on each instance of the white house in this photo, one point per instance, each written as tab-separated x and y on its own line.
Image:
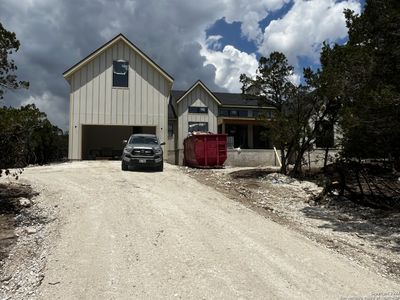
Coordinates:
118	90
115	91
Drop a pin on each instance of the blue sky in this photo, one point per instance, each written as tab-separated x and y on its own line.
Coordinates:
214	42
231	35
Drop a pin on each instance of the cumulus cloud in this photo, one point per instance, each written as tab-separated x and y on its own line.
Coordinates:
302	30
55	34
250	13
229	63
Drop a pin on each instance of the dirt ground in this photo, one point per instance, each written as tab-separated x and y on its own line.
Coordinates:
99	232
366	235
14	198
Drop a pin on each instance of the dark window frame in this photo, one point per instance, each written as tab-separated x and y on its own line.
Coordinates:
120	80
223	112
234	112
198	110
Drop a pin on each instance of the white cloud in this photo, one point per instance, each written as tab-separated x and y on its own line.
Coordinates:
55	34
229	64
213	42
295	78
302	30
249	13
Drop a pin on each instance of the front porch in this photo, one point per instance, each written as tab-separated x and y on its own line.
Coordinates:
244	133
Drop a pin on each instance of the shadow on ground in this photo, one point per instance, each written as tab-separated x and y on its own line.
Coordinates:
379	226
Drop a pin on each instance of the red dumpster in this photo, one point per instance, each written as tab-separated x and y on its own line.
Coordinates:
205	150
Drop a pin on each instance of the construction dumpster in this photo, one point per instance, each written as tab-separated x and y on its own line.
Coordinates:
205	150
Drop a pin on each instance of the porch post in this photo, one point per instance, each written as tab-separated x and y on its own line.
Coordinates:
250	136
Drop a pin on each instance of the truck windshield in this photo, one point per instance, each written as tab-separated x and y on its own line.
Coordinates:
143	140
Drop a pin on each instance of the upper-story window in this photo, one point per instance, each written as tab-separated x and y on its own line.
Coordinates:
120	73
230	112
198	109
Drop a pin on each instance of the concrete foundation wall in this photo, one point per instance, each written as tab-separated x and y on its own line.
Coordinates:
260	157
251	158
255	157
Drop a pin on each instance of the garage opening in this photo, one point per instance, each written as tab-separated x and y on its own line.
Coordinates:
105	142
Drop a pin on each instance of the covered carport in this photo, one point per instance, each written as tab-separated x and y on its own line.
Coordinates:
106	141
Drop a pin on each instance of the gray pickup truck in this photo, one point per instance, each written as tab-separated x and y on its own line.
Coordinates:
142	151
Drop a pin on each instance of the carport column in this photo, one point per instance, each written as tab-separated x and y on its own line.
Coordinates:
250	136
76	138
70	140
162	134
223	128
80	141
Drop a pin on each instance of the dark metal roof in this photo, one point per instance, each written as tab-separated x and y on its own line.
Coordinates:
175	95
235	99
227	99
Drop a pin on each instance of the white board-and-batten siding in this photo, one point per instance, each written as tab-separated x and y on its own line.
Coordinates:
200	98
94	101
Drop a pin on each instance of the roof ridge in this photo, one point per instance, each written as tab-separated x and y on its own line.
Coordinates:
100	49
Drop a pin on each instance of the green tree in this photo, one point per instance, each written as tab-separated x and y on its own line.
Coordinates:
11	151
28	137
299	109
8	45
271	86
371	117
360	82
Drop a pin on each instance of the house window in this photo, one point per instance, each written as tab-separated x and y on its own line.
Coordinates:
223	112
198	126
242	113
120	73
233	113
198	110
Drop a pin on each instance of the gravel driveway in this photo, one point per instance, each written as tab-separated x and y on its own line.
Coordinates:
130	235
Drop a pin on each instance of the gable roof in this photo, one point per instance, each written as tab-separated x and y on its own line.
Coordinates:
176	94
225	99
198	82
236	99
119	37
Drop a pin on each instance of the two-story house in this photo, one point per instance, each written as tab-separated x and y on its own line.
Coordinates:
115	91
118	90
199	109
